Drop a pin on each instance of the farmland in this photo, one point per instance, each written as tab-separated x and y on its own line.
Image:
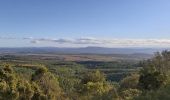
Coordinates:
115	66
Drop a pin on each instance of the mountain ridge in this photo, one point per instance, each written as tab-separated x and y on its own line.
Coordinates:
82	50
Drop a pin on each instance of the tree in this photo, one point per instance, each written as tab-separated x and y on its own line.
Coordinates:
14	87
48	83
129	82
160	63
8	83
155	71
151	81
94	86
160	94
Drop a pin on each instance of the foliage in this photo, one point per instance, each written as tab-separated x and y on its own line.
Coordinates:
129	82
129	94
81	81
93	85
151	81
48	83
13	87
44	86
161	94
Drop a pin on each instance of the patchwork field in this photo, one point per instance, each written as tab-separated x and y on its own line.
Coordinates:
115	66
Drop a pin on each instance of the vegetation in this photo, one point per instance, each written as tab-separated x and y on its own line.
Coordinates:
46	80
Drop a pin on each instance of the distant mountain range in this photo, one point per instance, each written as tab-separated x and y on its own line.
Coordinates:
83	50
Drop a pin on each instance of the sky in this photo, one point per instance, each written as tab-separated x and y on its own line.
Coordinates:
81	23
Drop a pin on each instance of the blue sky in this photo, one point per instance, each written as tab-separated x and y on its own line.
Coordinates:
43	22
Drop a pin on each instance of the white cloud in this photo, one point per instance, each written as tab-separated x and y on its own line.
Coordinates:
110	42
34	41
97	42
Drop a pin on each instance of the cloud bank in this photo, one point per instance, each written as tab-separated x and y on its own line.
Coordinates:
103	42
106	42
